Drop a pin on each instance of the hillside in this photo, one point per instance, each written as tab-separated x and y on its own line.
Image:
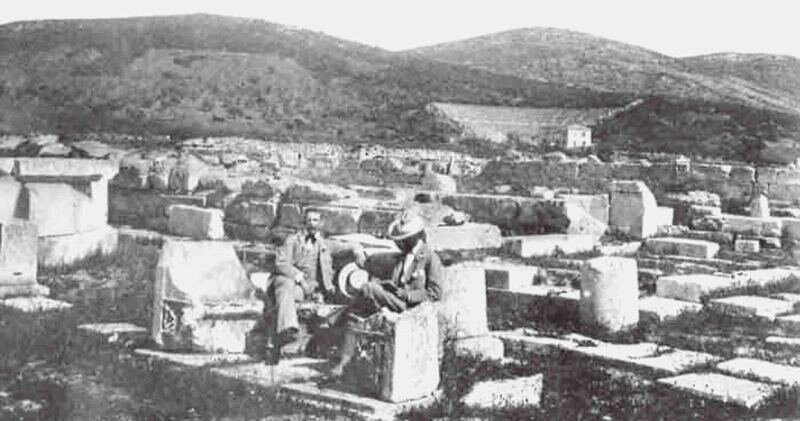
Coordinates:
205	75
778	73
578	59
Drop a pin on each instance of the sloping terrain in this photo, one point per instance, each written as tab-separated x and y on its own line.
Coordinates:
778	73
204	75
574	58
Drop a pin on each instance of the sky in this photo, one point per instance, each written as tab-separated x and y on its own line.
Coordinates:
674	27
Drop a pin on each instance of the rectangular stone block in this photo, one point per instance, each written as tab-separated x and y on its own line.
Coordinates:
338	220
596	205
10	191
34	304
661	309
682	247
462	308
546	245
633	209
376	221
748	225
469	236
722	388
52	207
506	393
404	361
65	167
198	223
761	370
747	246
663	216
764	277
252	212
691	287
752	306
648	357
63	250
290	215
18	245
509	275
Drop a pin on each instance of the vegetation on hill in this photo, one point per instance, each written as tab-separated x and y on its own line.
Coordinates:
779	73
574	58
205	75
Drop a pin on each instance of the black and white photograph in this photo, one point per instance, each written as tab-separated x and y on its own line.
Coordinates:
400	210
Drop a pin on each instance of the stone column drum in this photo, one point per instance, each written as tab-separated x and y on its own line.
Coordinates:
610	293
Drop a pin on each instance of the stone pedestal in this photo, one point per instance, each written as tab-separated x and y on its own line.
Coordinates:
759	207
18	245
633	210
609	293
401	361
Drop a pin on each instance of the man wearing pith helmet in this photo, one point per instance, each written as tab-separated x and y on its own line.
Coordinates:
416	278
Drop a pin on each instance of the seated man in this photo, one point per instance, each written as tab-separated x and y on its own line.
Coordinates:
416	278
303	271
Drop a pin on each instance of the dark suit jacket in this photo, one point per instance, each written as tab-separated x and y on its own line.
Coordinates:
426	278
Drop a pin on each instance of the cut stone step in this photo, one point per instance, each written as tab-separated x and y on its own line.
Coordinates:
722	388
764	277
194	359
349	403
504	393
509	275
682	247
691	287
788	296
783	341
661	309
642	357
790	322
751	306
115	332
34	304
546	245
761	370
287	371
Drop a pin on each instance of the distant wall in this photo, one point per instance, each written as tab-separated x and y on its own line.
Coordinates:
732	182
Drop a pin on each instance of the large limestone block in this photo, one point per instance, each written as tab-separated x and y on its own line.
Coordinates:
10	191
506	393
412	357
191	278
682	247
469	236
195	222
691	287
376	221
748	225
610	293
492	209
61	250
633	209
252	212
596	205
400	361
721	388
305	192
57	208
581	222
65	167
759	207
432	181
338	220
510	276
17	255
185	176
547	245
462	308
